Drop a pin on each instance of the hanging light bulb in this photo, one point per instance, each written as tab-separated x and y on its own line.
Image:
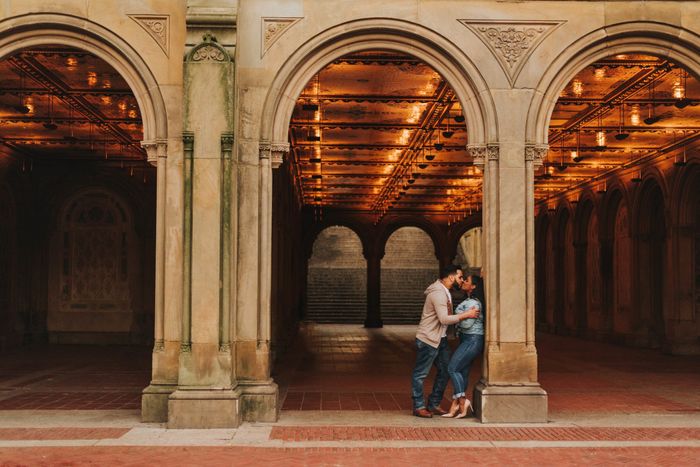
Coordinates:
600	138
574	155
577	87
635	116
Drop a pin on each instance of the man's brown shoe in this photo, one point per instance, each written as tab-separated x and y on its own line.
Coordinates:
437	410
423	413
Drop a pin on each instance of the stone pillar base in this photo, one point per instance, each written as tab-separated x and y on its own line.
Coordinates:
154	403
204	408
259	401
510	404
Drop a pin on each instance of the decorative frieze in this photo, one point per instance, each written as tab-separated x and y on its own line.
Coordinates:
482	152
155	150
157	26
209	50
511	42
536	154
272	29
273	151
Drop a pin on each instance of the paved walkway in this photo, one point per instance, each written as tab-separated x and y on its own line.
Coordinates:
345	402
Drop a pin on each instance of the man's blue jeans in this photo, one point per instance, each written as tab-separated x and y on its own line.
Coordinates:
470	345
426	356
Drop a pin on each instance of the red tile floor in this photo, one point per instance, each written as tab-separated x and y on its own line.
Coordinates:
345	401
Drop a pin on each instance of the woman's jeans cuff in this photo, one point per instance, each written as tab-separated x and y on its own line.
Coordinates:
458	395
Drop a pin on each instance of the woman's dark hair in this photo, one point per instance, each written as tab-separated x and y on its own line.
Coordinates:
478	291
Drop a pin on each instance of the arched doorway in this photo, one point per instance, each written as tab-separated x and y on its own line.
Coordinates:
336	281
409	265
78	114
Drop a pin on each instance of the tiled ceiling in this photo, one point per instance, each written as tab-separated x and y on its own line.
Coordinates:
645	107
377	131
365	123
59	103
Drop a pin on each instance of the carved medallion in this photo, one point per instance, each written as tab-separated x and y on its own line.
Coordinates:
157	27
272	29
511	42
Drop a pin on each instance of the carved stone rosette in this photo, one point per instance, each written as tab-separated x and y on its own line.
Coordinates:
536	154
157	27
273	151
209	50
483	152
155	150
511	42
272	29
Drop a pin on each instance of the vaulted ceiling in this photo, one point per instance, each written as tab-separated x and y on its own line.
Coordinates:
364	128
61	103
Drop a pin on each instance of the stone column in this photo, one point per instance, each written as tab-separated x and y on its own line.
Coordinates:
508	390
374	274
207	395
154	402
260	393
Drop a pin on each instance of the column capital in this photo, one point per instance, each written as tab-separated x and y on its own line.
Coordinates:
536	153
155	149
274	151
483	152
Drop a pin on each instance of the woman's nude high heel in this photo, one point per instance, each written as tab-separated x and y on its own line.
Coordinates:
453	409
464	406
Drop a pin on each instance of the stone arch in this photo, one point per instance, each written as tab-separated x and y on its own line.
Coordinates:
318	228
386	230
650	37
336	277
649	220
380	33
37	29
455	235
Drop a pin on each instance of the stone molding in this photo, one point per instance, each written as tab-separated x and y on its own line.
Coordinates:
155	150
209	50
272	29
536	153
511	42
483	152
158	27
273	151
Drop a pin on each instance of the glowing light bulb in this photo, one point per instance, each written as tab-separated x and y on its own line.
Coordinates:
600	138
635	118
678	90
574	155
577	87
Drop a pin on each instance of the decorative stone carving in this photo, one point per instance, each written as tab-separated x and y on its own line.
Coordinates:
483	152
273	151
155	150
209	50
157	27
511	42
536	154
272	29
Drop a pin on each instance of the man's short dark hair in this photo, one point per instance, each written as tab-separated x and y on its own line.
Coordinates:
448	270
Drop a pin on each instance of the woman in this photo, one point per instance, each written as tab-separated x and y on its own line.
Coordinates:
471	344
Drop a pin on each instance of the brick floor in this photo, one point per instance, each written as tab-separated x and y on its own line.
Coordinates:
250	456
346	367
379	433
63	433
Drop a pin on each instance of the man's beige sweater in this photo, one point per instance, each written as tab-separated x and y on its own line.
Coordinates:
436	315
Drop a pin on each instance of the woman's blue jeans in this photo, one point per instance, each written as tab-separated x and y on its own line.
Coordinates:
470	346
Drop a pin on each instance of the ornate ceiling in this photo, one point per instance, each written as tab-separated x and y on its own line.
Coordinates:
377	131
58	103
616	113
364	128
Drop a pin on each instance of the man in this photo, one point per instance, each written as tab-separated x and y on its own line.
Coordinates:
431	341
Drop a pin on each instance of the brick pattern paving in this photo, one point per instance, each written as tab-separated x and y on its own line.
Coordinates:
392	433
345	367
251	456
73	401
63	433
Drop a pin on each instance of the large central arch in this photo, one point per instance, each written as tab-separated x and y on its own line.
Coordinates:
388	34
